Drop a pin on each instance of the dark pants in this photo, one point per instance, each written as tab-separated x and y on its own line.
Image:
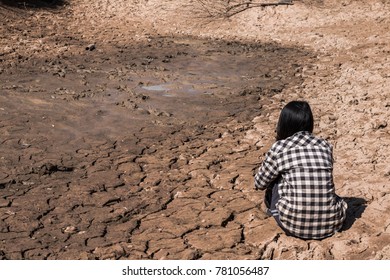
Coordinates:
270	200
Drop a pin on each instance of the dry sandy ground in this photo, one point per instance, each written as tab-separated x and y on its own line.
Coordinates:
132	129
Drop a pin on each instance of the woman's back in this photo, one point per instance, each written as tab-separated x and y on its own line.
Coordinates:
308	206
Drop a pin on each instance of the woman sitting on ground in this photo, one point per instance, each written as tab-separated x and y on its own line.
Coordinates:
297	174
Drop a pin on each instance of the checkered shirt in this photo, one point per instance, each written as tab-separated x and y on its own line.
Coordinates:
302	168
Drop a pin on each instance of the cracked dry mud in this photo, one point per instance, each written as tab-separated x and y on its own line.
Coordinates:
133	129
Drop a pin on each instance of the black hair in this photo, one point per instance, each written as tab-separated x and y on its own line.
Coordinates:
295	116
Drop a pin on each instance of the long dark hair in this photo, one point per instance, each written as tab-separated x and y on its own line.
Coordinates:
295	116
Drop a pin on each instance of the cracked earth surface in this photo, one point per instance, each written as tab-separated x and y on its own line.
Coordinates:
133	129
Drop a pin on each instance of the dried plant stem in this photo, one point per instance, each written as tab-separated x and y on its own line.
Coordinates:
229	8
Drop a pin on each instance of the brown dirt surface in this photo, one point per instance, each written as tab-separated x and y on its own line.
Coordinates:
131	129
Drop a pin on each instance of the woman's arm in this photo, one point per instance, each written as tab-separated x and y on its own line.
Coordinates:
267	172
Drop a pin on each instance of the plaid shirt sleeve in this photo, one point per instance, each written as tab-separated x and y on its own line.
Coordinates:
267	172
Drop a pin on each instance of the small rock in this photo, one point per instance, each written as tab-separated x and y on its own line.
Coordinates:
90	47
178	195
70	229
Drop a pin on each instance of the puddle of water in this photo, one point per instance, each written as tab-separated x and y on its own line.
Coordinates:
171	90
204	76
163	87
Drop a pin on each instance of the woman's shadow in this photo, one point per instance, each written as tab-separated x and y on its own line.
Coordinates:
356	207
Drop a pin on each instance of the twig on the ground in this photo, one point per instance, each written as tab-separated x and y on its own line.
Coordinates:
228	8
238	8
